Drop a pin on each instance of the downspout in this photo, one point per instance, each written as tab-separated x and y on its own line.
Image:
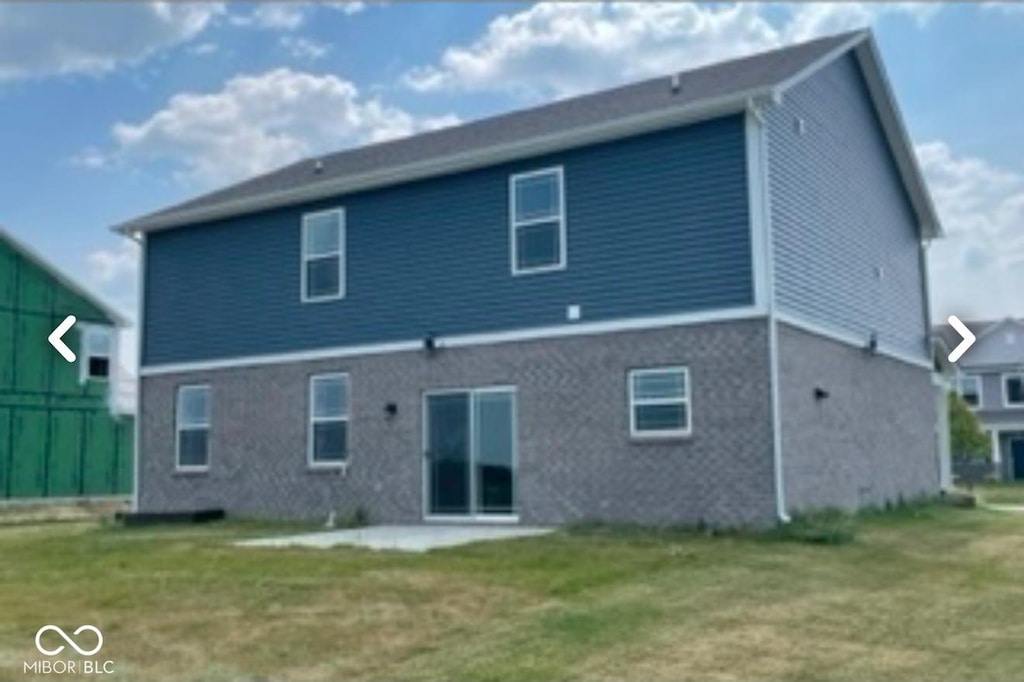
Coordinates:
772	313
140	239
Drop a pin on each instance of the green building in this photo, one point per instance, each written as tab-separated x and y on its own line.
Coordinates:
61	433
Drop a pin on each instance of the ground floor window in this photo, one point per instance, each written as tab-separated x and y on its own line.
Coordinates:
1013	390
193	427
328	419
659	402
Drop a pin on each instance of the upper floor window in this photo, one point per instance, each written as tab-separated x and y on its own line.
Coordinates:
659	402
1013	390
192	424
328	419
323	255
97	348
538	221
969	388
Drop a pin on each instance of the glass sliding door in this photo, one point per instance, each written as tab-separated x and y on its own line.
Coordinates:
493	457
447	452
470	452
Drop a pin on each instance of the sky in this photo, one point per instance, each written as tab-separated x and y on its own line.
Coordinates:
108	111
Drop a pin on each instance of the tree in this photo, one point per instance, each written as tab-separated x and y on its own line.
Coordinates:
967	439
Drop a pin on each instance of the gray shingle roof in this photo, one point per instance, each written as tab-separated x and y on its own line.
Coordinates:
726	80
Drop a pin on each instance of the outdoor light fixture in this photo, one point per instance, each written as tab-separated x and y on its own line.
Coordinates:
390	410
872	346
820	393
430	343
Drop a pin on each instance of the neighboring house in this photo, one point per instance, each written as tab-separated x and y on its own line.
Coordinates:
61	432
990	379
695	298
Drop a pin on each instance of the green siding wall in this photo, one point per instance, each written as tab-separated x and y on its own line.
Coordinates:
57	435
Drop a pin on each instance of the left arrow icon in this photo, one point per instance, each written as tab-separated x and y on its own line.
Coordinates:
55	338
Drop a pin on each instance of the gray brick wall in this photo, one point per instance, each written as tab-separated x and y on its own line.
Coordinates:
576	459
872	440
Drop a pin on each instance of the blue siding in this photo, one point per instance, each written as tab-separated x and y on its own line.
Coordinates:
839	211
657	224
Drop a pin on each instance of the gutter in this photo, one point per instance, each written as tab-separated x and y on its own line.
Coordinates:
632	125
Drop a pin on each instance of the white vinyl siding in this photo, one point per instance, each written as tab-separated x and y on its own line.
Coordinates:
537	216
659	402
323	255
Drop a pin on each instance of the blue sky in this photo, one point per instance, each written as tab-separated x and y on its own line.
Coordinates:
108	111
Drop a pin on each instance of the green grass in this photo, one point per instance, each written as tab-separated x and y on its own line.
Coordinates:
925	593
1001	493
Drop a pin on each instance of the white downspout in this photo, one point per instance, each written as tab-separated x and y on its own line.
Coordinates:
773	323
140	239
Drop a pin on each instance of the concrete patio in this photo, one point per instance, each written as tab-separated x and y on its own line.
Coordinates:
400	538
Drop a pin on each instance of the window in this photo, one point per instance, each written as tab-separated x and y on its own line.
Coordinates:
328	419
659	402
969	388
323	255
193	427
538	221
97	345
1013	390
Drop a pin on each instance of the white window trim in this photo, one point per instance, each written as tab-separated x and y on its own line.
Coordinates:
341	253
514	225
313	420
980	383
687	399
83	366
1006	393
178	466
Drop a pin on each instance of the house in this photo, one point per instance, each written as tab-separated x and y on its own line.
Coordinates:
62	433
700	297
990	378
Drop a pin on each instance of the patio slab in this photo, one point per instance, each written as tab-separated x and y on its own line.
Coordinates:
401	538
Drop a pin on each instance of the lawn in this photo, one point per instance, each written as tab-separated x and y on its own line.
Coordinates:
935	594
1001	493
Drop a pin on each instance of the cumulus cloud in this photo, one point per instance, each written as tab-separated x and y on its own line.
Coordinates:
978	269
114	265
561	49
42	39
258	122
304	48
274	16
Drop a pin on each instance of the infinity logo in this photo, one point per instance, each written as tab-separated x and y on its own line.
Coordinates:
71	643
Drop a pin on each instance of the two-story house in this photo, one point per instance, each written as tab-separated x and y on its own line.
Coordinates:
63	432
700	297
990	379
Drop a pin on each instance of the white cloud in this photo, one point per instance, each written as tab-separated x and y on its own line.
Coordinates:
349	6
1004	7
259	122
274	16
114	265
90	157
203	49
978	269
561	49
304	48
42	39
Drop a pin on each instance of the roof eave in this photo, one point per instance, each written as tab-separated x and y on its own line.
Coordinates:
35	257
543	144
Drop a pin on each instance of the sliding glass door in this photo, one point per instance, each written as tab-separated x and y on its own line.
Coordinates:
469	447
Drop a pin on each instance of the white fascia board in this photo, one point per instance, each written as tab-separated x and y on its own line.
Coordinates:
489	156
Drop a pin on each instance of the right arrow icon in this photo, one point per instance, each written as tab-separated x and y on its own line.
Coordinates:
967	334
